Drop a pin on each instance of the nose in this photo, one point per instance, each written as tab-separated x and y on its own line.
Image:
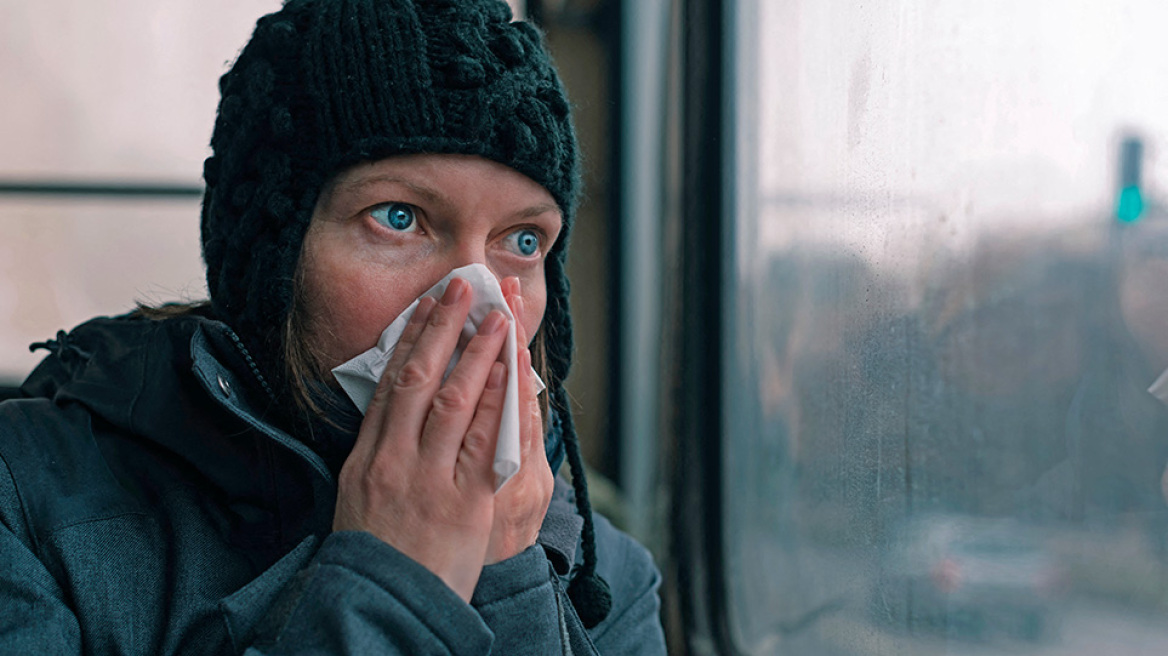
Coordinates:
472	252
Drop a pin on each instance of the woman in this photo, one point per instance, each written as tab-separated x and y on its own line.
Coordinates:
191	479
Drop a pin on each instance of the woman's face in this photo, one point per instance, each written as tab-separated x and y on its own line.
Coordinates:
384	232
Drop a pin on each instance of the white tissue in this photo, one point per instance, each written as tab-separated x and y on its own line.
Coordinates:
359	376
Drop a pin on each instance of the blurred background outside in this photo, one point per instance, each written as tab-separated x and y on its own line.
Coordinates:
951	298
119	92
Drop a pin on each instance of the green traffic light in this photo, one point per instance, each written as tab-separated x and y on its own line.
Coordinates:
1130	206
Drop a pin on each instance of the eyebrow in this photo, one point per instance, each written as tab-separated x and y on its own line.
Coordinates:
435	196
432	195
536	210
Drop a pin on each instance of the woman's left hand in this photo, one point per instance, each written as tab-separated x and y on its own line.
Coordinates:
522	503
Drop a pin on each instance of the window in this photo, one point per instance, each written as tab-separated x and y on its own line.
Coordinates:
108	113
946	303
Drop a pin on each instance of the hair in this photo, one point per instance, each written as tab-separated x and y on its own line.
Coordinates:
169	310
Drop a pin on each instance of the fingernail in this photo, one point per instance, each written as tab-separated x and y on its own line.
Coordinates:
495	378
454	291
492	323
519	306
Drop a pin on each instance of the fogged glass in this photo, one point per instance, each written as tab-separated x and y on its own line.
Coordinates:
121	89
104	92
63	262
950	299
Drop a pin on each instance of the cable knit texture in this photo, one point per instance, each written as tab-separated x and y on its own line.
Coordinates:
326	84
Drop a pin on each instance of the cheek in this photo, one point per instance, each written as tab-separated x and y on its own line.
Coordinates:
349	307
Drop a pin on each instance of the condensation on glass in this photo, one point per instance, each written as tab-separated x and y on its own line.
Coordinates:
950	299
105	92
63	262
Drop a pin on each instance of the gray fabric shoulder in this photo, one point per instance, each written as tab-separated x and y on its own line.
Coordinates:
12	512
57	468
624	563
634	624
34	617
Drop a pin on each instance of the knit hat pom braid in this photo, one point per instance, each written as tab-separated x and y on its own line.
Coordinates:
326	84
589	592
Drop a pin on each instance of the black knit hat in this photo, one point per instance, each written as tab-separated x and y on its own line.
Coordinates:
326	84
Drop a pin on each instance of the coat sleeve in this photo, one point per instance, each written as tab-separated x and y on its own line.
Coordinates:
358	595
525	605
519	601
355	595
340	604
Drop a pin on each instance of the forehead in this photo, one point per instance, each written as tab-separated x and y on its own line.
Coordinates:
438	177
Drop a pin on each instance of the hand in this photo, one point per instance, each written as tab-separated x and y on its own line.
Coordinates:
522	503
420	474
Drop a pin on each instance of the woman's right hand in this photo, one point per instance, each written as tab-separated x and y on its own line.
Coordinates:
420	475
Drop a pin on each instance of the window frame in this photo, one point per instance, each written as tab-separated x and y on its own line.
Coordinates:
704	229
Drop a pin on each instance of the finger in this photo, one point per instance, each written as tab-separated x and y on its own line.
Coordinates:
509	286
474	468
512	292
515	302
517	307
376	411
531	418
409	337
413	386
521	339
456	401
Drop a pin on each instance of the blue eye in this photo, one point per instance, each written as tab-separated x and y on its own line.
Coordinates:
525	242
396	216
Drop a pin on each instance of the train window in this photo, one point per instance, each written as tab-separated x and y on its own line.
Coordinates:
946	305
64	260
108	111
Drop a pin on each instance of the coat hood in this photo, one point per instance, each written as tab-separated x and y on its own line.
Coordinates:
151	388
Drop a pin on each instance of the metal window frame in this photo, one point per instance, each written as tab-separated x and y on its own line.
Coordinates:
706	214
134	190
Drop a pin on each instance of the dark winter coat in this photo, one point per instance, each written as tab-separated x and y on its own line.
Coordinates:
147	507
